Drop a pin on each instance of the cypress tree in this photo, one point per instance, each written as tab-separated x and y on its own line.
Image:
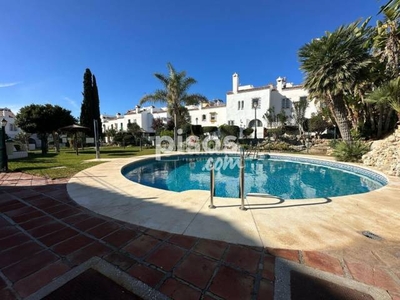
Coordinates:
96	106
90	109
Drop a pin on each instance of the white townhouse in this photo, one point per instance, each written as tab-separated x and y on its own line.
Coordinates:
208	114
11	129
245	106
141	116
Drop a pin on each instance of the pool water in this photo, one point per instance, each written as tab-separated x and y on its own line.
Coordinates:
276	176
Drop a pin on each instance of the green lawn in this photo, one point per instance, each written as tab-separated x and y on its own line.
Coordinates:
67	163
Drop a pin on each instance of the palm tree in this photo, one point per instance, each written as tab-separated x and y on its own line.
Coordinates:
174	94
390	4
386	40
333	65
388	93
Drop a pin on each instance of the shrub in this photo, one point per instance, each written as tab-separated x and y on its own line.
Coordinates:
211	144
197	130
276	132
208	129
229	130
248	131
350	151
333	143
279	146
169	133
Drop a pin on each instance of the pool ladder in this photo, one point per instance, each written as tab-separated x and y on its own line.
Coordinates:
212	184
252	152
241	181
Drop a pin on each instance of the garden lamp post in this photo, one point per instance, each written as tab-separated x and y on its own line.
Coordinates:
175	133
334	133
255	105
3	147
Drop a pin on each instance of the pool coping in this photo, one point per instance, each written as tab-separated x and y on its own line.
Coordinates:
267	222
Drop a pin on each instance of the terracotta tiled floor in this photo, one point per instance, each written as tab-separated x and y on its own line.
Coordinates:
44	234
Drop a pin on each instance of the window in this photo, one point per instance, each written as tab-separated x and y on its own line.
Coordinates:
13	127
213	117
256	103
238	105
129	121
242	104
303	98
285	103
257	122
204	118
122	126
231	122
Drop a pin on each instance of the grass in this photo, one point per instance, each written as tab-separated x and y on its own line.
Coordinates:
66	163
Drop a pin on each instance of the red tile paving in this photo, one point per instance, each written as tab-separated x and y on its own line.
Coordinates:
13	255
214	249
179	291
269	267
35	281
58	236
292	255
232	284
266	291
243	257
44	234
72	244
183	241
148	275
374	276
323	262
204	269
84	254
120	237
29	265
121	261
141	245
166	257
103	229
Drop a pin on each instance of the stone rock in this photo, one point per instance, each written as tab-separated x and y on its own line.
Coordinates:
385	155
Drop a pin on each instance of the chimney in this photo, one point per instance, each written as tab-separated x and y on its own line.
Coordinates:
235	83
137	108
279	84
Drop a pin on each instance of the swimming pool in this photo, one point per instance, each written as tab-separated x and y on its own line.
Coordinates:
281	176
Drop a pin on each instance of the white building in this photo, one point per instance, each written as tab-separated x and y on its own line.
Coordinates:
11	129
245	106
208	114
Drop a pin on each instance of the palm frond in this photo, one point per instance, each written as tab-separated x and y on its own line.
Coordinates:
159	96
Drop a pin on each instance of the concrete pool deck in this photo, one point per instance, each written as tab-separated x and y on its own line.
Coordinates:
313	224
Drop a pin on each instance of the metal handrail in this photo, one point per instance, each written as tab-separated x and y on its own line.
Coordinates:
212	184
241	179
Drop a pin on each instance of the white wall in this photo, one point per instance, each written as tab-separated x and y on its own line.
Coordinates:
202	116
242	115
11	129
294	95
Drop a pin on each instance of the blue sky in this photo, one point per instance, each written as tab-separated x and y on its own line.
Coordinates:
46	45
